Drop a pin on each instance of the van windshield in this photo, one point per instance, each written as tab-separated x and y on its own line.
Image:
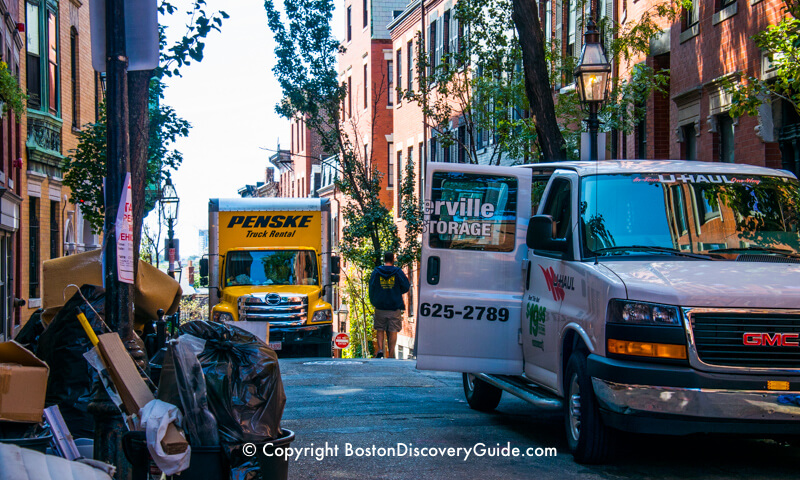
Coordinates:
271	267
689	213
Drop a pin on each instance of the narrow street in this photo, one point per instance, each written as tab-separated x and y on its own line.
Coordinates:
361	403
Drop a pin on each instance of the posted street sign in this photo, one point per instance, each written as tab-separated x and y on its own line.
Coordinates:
342	340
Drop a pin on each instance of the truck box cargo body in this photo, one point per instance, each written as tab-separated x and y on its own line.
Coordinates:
647	296
269	264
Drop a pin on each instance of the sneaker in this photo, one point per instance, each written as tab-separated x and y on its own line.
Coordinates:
379	354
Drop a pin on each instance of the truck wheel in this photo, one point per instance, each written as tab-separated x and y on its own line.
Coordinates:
589	440
480	395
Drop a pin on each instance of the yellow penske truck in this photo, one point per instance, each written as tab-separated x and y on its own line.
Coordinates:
270	270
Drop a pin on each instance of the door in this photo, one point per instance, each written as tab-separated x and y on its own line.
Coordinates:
548	283
471	278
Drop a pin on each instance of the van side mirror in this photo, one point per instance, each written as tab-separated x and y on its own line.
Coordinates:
203	267
540	235
336	266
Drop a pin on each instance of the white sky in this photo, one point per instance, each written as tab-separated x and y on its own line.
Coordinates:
229	98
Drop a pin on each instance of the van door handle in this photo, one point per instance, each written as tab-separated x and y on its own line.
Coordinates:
528	277
433	270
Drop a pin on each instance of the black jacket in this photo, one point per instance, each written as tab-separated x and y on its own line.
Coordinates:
386	288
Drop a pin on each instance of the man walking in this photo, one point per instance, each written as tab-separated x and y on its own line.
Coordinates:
386	288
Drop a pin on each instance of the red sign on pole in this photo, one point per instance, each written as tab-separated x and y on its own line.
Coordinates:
171	255
342	340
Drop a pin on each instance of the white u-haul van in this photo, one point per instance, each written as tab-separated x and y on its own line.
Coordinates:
645	296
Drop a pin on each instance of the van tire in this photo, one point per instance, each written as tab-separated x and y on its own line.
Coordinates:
481	396
589	440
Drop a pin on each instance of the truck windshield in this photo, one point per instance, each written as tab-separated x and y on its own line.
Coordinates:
689	213
271	267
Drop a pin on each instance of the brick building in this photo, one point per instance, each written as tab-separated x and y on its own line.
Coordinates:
62	89
11	43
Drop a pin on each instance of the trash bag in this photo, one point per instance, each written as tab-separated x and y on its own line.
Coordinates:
243	379
62	346
28	335
199	422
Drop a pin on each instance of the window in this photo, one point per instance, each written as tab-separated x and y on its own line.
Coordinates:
432	49
33	246
641	137
721	4
399	73
399	181
690	16
42	66
366	86
55	238
446	35
390	82
349	96
365	13
487	222
726	148
572	34
34	67
689	150
52	62
433	148
74	77
410	64
390	170
558	206
349	23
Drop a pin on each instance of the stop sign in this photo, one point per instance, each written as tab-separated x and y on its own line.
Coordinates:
341	340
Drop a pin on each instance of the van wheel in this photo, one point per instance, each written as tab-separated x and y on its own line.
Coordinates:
589	440
480	395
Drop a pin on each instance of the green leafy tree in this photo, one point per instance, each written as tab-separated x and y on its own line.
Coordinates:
306	69
781	42
154	127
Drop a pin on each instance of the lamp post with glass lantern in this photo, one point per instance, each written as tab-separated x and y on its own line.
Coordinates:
169	205
591	76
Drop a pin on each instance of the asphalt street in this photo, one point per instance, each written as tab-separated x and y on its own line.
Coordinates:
389	404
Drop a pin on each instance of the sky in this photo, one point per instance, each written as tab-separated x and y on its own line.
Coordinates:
229	98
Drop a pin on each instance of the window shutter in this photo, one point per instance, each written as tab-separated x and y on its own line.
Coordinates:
439	40
608	34
559	22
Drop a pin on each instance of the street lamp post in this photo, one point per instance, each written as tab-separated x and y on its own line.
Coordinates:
591	76
169	204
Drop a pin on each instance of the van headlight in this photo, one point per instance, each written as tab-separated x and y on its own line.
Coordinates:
643	313
222	317
322	316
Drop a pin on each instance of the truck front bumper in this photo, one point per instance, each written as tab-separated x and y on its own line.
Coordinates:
301	335
654	398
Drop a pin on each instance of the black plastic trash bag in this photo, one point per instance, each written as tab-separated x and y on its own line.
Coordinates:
62	346
245	391
28	335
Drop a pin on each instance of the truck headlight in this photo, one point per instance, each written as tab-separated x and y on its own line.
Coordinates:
322	316
643	313
222	317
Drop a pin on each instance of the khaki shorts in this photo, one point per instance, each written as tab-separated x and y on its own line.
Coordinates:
388	320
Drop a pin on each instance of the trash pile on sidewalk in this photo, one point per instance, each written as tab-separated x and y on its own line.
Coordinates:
218	388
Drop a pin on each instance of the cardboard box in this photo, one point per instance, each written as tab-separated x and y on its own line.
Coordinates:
132	389
154	288
23	384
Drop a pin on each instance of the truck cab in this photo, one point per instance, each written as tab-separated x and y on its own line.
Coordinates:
645	296
271	270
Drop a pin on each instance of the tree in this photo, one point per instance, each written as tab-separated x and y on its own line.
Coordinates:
472	93
781	42
306	70
153	128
